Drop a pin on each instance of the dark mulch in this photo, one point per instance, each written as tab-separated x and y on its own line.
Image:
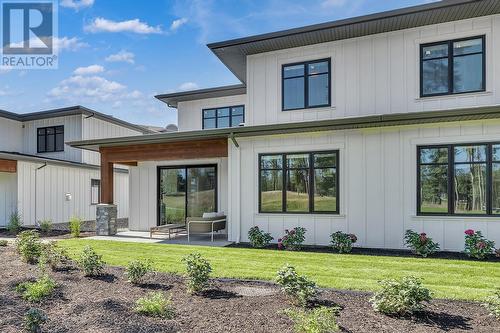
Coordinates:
53	234
105	305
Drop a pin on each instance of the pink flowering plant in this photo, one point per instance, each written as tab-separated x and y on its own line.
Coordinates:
476	245
293	239
342	242
420	244
259	238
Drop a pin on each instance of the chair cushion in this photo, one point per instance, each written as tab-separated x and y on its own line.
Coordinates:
209	215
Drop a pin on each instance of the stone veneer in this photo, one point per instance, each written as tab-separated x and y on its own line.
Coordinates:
106	220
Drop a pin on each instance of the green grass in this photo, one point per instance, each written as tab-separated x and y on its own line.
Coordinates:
456	279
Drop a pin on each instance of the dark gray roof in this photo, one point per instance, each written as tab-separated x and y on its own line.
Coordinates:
398	119
233	52
173	99
69	111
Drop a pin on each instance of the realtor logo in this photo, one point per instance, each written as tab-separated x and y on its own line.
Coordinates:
28	34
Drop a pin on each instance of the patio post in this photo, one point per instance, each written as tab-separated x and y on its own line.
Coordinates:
106	211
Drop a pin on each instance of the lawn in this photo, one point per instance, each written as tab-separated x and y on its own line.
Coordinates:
455	279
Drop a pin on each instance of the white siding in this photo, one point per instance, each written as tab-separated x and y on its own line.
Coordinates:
44	196
11	131
8	196
190	113
143	190
72	132
376	74
377	185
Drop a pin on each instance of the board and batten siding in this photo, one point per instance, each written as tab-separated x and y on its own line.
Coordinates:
12	134
189	113
144	190
377	74
8	196
377	185
42	193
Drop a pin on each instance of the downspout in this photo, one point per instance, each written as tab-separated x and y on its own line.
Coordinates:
36	181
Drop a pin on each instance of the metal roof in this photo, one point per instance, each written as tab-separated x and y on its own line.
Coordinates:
173	99
233	52
70	111
300	127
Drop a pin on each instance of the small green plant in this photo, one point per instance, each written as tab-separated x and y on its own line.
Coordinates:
492	303
4	242
420	244
342	242
137	269
317	320
34	319
155	304
75	226
401	297
45	226
198	272
259	238
15	223
90	262
298	287
29	246
38	290
293	239
477	246
53	256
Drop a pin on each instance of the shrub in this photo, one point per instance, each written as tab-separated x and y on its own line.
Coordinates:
497	253
155	304
90	262
137	269
198	272
15	223
4	242
29	246
298	287
45	226
318	320
293	239
342	242
75	226
259	238
33	320
400	297
493	304
36	291
476	246
53	256
420	244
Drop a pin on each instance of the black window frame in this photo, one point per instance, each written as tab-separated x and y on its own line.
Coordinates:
306	76
216	118
59	128
312	168
93	183
450	58
451	174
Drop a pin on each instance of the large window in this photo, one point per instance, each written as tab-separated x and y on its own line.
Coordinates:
459	179
95	191
230	116
452	67
50	139
299	183
306	85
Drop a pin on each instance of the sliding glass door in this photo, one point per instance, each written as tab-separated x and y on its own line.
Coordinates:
186	191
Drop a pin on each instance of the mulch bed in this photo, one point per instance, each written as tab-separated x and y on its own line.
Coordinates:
53	234
105	305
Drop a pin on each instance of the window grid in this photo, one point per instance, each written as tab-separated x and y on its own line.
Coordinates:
50	135
232	114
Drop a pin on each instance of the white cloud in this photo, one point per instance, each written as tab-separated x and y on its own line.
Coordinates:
85	88
76	4
5	69
188	86
92	69
103	25
333	3
69	44
176	24
122	56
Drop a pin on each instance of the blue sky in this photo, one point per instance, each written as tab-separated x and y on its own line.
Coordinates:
115	55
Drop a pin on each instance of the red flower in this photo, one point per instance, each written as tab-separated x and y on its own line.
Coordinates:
423	237
353	237
481	245
292	232
469	232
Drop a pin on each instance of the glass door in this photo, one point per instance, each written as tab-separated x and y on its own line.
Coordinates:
201	190
172	203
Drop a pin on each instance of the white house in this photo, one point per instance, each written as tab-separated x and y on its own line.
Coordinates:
371	125
43	178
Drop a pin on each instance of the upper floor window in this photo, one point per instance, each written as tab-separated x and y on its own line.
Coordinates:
50	139
452	67
306	85
230	116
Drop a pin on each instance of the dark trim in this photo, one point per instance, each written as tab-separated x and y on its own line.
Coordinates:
450	58
55	128
203	118
185	167
173	99
284	170
306	77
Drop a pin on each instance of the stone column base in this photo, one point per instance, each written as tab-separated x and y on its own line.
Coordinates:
106	220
